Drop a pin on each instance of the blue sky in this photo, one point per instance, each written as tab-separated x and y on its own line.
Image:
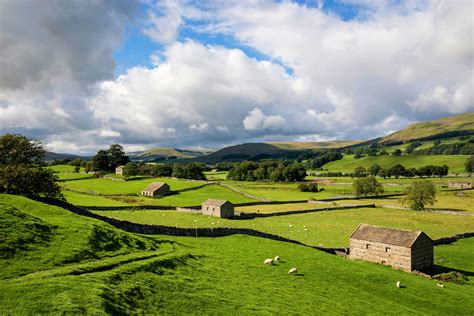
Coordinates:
184	73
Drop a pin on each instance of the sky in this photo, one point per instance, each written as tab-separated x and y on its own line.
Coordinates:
83	74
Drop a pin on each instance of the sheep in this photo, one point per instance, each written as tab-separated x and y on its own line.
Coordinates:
399	284
276	259
440	285
292	270
268	262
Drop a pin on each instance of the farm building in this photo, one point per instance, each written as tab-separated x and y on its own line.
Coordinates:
401	249
156	189
119	170
218	208
459	184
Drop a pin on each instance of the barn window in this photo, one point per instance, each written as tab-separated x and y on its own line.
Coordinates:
367	246
387	249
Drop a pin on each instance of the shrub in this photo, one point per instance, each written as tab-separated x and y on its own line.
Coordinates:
308	187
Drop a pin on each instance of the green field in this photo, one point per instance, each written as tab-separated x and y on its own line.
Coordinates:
74	265
348	163
326	228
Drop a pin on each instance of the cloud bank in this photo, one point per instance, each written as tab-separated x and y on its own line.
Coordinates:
233	71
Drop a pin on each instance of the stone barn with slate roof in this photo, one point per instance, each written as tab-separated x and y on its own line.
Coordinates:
157	189
218	208
457	184
400	249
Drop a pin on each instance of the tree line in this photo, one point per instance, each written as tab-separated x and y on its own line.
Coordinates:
192	171
399	170
276	171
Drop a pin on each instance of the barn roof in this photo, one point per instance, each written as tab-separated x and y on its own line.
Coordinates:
392	236
154	186
213	202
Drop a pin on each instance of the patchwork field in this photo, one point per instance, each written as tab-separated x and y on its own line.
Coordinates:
348	163
105	270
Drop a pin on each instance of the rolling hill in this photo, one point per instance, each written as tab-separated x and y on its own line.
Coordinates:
167	153
445	127
313	145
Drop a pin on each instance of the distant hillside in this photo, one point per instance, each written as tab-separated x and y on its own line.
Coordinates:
49	156
167	153
445	127
248	151
313	145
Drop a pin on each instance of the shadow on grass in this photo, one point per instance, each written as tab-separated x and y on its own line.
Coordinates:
437	269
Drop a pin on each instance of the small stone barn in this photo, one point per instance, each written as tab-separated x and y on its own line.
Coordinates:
218	208
156	189
460	184
119	170
401	249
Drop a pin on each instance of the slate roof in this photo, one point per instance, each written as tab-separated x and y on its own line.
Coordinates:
213	202
392	236
154	186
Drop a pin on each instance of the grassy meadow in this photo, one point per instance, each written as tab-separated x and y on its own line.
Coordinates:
348	163
68	264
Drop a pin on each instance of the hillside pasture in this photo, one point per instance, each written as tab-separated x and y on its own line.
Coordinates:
348	163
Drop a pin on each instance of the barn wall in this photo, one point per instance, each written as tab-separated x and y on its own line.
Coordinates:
422	254
396	256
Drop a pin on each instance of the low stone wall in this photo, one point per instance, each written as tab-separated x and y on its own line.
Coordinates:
98	194
195	188
359	197
250	196
189	210
177	231
128	208
293	212
451	239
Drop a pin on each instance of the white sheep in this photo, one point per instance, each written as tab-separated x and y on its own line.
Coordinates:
268	262
399	284
440	285
276	259
292	270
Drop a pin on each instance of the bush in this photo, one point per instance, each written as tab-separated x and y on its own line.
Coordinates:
308	187
99	174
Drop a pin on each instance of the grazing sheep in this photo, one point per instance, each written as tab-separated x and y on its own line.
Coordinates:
440	285
276	259
268	262
399	284
292	270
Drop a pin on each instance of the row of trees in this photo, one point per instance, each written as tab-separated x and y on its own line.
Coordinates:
192	171
399	170
108	160
275	171
21	170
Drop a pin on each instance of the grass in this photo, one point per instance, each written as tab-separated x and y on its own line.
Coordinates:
348	163
326	228
63	168
88	267
91	200
66	176
108	186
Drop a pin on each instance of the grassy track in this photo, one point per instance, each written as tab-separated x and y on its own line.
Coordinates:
89	267
348	163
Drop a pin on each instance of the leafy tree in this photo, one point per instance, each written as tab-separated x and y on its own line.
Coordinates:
360	172
101	161
18	149
130	170
374	169
77	169
420	194
397	171
368	186
470	164
308	187
383	153
117	156
20	172
397	152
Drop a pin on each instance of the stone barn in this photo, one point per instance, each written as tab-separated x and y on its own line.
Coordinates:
400	249
157	189
119	170
218	208
459	184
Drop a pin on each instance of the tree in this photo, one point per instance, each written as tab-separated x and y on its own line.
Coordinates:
374	169
20	172
130	170
100	161
360	172
420	194
397	171
117	156
470	164
368	186
397	152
